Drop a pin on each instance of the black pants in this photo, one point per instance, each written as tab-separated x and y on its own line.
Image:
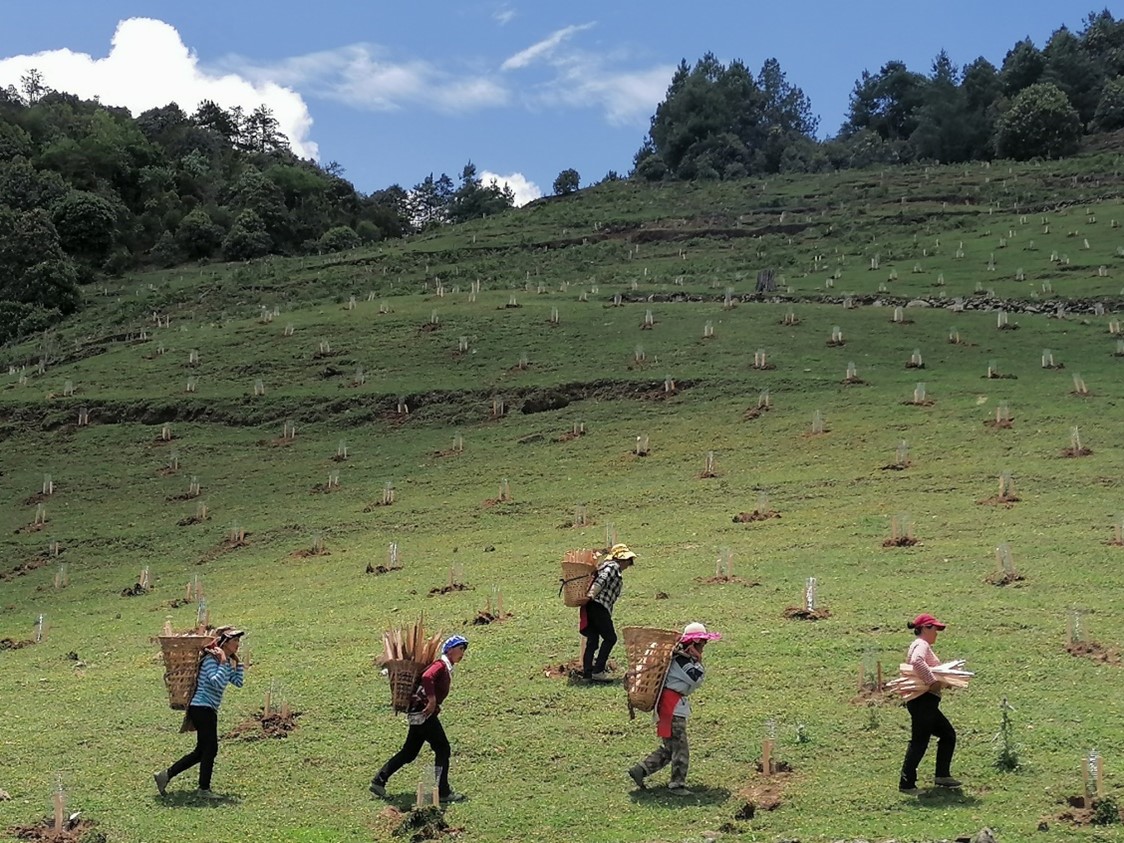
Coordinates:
206	721
433	733
599	627
927	720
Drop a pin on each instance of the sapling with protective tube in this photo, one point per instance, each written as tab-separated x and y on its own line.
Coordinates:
818	425
388	493
1079	387
642	447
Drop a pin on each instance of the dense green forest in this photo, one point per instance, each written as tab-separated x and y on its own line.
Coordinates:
722	122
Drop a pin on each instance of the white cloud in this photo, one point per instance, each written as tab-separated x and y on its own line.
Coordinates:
525	189
504	15
364	76
149	66
626	97
543	49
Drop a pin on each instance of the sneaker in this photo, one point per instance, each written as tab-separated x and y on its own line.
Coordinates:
207	793
161	779
679	790
378	790
454	797
601	676
912	789
638	776
946	781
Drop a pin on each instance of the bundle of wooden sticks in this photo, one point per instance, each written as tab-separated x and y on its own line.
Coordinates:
410	644
910	685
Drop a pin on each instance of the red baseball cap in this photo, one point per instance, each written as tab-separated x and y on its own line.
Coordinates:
928	620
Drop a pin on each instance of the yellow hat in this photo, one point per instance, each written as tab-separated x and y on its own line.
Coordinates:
621	552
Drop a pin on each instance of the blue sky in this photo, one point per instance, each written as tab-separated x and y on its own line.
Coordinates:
396	90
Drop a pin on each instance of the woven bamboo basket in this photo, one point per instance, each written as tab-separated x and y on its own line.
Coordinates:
182	655
403	675
649	656
576	580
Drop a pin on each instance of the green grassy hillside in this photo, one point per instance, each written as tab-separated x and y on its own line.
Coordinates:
541	758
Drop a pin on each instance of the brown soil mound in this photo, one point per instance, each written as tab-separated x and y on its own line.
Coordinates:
31	528
190	520
901	541
323	489
23	568
912	365
1000	500
896	466
661	595
570	436
308	553
37	498
1005	424
1080	811
449	589
279	442
484	618
429	327
1076	452
224	548
762	794
448	452
12	644
751	517
795	613
571	670
853	382
379	569
261	726
421	824
135	590
870	696
72	831
723	579
1094	651
928	402
836	343
1004	578
755	413
371	507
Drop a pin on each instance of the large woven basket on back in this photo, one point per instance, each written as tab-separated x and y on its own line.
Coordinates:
404	675
578	569
182	655
649	653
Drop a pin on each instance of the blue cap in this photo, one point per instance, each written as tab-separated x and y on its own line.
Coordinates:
454	641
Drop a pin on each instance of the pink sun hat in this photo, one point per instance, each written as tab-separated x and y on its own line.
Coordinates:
697	632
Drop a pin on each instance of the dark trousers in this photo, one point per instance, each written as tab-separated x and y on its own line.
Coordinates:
206	722
433	733
598	628
926	720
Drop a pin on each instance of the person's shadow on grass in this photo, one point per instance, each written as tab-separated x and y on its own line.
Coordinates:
699	795
943	797
191	799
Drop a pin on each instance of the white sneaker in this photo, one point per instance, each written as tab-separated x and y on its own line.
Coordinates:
602	677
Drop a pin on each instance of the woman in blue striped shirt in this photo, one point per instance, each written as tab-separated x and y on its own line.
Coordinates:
220	667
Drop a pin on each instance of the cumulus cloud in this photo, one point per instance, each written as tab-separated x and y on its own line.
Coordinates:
544	48
525	190
148	66
365	76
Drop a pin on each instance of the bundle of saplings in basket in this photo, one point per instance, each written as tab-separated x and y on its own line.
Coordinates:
649	651
183	653
578	570
406	652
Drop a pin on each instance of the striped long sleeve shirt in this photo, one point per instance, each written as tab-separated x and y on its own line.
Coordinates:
213	679
922	657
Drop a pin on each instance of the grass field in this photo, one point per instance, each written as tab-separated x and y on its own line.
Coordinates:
541	758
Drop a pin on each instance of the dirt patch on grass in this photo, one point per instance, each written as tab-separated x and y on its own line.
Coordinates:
30	528
1081	810
763	794
73	831
751	517
570	436
836	343
1002	578
1000	500
37	498
1002	424
279	442
725	579
309	553
12	644
870	696
853	382
324	488
262	725
135	590
755	413
484	618
999	376
901	541
1072	453
224	547
24	568
928	402
896	466
449	589
571	670
795	613
380	569
190	520
371	507
420	824
1093	651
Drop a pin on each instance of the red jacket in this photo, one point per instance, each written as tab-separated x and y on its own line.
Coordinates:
434	685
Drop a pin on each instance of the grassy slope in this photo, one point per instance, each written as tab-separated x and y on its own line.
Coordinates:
542	759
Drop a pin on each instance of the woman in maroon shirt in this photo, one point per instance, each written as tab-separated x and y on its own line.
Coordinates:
425	725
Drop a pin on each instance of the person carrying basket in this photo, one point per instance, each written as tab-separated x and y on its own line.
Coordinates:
684	676
425	725
596	620
219	667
